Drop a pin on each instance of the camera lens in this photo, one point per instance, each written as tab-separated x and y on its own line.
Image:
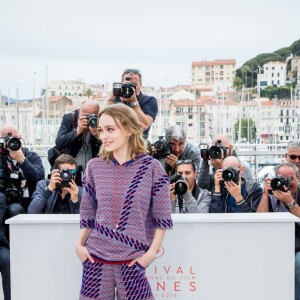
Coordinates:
159	146
277	184
228	175
128	90
14	144
66	176
180	187
215	152
92	122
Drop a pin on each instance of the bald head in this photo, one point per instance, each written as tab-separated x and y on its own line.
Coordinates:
89	107
231	161
9	128
225	140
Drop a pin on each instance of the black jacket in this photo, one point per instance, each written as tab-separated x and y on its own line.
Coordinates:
67	140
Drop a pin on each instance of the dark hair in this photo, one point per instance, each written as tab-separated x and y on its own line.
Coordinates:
185	162
134	71
64	159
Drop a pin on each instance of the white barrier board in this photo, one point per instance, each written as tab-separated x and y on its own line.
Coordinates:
205	256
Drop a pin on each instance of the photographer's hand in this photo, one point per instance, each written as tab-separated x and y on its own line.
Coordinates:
171	160
285	197
73	191
82	125
218	178
234	189
172	192
16	155
267	186
54	179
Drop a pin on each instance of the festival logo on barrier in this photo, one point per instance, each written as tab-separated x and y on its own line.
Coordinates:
171	280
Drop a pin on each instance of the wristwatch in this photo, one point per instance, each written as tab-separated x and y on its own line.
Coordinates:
291	205
133	104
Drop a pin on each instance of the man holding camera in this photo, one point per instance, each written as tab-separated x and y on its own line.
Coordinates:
220	149
186	196
178	149
129	92
232	193
282	194
60	195
78	134
292	156
20	170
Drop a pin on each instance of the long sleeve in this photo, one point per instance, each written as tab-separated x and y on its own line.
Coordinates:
88	205
217	203
160	198
39	199
201	205
204	180
66	135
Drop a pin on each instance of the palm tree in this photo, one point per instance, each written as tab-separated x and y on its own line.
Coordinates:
89	93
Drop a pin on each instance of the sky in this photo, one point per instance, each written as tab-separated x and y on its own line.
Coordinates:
95	40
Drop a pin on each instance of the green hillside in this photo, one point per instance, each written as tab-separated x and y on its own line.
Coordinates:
247	73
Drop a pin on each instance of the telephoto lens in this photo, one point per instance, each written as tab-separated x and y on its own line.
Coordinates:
180	185
92	121
231	174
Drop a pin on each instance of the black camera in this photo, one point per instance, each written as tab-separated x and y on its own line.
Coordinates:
204	151
180	185
279	182
231	174
92	121
217	151
12	143
162	148
125	90
14	191
66	177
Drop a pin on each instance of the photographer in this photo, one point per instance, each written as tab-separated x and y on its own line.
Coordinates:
232	193
186	190
282	194
61	195
78	135
20	169
145	106
180	149
220	149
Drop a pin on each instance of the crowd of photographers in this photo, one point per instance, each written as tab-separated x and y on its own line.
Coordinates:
204	179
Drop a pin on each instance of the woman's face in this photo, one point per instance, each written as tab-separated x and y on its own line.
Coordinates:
113	136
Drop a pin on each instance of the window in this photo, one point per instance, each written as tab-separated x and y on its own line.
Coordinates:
278	74
190	116
221	66
272	75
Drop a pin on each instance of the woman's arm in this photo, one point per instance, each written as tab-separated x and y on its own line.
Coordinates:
149	256
80	248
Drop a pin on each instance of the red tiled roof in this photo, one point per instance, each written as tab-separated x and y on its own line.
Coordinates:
214	62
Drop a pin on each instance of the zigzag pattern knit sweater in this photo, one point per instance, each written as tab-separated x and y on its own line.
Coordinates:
124	204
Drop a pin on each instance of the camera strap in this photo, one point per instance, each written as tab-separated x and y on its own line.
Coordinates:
10	164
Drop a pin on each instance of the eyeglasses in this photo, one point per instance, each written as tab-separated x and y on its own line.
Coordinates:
293	156
186	162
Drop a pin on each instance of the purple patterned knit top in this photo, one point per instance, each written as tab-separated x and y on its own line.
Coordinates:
124	204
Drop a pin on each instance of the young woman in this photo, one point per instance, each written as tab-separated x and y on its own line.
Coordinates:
124	213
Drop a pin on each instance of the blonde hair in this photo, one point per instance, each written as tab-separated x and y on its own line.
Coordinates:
125	118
